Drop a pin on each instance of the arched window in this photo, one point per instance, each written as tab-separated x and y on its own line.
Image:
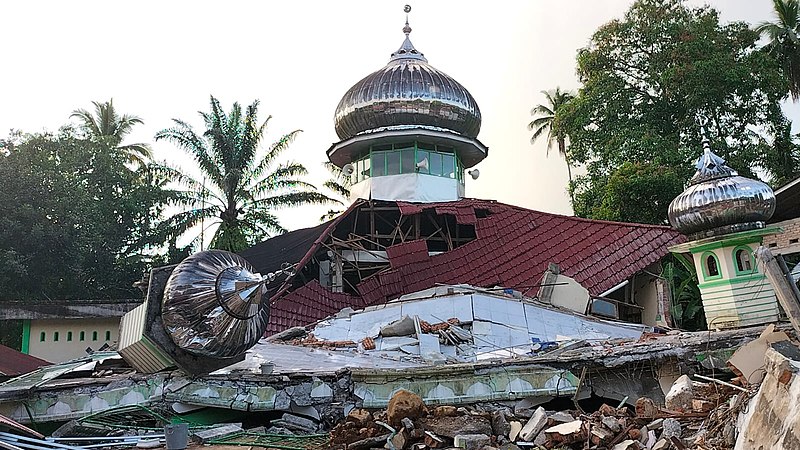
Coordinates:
94	335
711	269
42	336
55	336
743	257
108	335
69	336
83	336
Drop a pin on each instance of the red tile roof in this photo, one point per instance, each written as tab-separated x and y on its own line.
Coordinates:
13	363
513	249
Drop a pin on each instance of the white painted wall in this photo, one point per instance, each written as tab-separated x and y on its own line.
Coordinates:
43	332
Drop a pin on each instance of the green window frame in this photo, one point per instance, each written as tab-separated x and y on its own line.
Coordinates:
744	270
82	336
42	336
94	335
708	268
108	335
405	157
69	336
55	336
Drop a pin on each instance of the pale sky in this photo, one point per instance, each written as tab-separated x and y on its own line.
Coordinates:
161	60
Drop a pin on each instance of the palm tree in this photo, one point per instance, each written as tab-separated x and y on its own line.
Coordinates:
339	184
784	41
107	127
546	121
240	190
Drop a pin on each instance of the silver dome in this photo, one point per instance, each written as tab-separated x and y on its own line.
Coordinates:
407	91
719	201
213	305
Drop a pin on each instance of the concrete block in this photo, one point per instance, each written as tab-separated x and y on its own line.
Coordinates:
217	432
471	441
680	396
671	428
515	428
535	425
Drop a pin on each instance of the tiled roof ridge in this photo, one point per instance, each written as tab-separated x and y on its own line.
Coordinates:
576	218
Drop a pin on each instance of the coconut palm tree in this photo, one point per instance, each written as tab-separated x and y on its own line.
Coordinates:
784	41
339	184
109	128
240	189
546	121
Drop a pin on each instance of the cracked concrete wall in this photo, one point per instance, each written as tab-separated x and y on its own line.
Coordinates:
73	403
324	399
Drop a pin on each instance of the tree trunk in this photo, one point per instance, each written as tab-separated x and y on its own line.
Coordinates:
562	149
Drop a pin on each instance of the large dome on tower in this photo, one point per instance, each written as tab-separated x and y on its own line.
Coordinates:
407	92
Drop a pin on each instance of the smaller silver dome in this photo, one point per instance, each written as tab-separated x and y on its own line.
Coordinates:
718	201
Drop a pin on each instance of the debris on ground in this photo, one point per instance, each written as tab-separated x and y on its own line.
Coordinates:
701	416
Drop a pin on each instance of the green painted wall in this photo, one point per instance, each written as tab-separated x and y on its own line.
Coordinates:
26	336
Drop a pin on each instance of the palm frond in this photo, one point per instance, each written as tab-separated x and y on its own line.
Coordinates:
87	121
329	215
285	170
294	199
543	110
184	137
262	220
178	224
274	151
337	188
172	174
556	99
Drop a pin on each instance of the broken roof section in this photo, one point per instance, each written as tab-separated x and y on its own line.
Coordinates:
464	324
377	251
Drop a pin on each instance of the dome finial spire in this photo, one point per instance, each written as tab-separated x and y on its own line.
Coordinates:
407	29
702	120
407	50
709	166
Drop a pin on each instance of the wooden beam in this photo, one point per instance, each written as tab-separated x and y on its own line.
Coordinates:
780	284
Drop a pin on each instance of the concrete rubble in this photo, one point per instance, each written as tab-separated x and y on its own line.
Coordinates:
461	368
705	417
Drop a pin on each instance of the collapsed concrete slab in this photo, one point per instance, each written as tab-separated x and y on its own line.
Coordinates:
326	383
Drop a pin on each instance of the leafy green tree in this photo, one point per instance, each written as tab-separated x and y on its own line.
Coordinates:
782	156
73	220
339	184
240	190
546	122
687	304
645	79
108	128
620	195
784	41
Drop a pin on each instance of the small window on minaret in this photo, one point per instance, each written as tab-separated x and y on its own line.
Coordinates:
743	261
711	264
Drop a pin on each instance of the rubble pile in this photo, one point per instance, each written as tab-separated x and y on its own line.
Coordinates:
699	416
